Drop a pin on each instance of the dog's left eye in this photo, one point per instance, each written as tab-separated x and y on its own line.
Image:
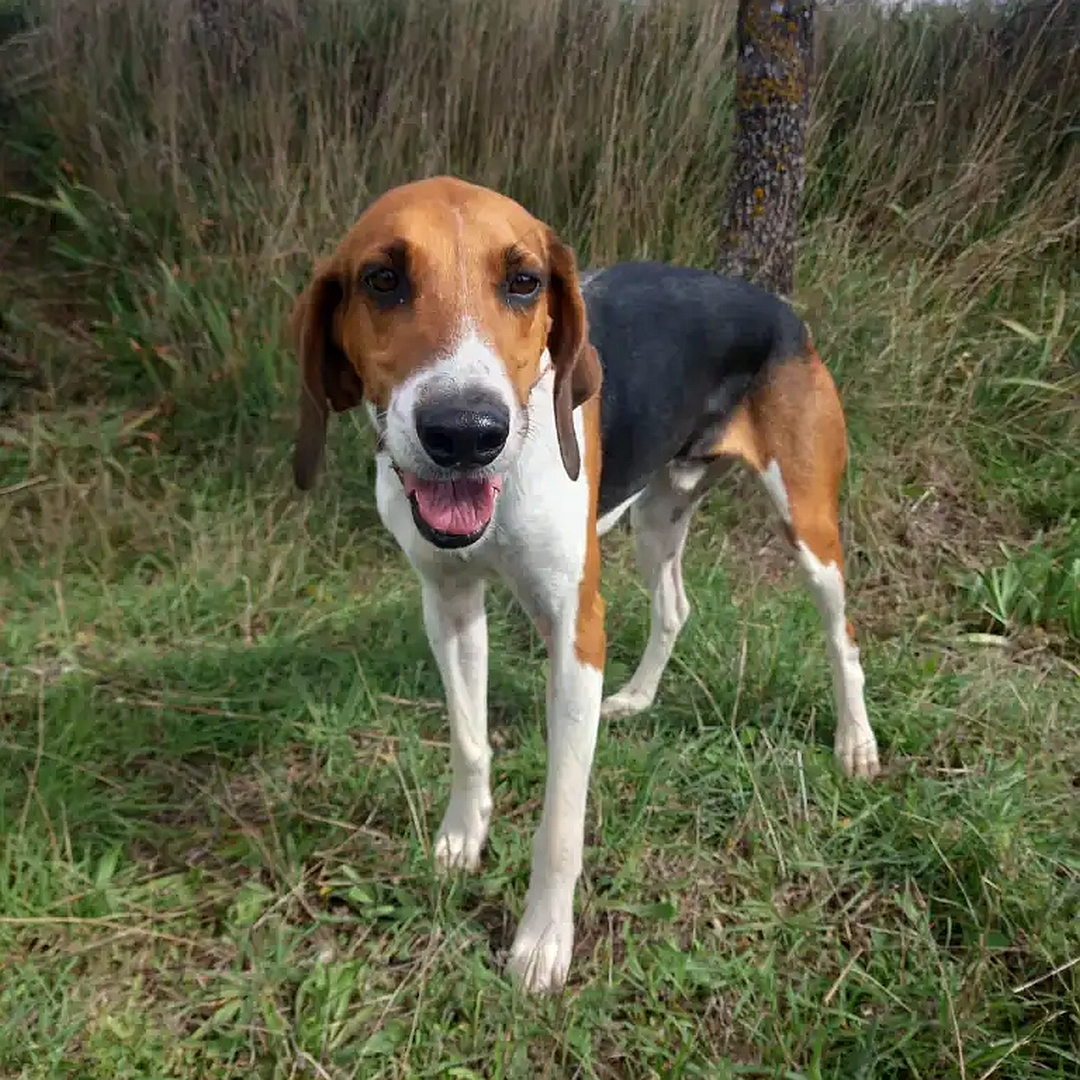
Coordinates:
382	280
522	285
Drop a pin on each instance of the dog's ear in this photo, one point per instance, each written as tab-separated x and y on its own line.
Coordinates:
327	379
577	367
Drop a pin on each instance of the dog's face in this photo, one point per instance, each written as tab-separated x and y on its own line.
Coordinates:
441	309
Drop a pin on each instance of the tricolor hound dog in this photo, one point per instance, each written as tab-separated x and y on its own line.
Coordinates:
459	320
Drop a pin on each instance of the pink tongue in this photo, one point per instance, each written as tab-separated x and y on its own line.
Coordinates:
460	507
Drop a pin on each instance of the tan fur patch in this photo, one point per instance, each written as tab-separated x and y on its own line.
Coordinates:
740	439
590	639
797	421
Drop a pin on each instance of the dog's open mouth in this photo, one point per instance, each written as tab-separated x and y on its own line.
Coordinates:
451	513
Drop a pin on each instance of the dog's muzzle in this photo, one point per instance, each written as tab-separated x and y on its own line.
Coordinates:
462	435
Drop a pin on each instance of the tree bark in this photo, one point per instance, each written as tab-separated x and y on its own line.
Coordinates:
759	225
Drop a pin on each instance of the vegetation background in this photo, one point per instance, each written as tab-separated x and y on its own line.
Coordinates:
221	754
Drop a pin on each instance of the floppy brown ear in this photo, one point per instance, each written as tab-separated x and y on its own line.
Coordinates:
327	379
577	367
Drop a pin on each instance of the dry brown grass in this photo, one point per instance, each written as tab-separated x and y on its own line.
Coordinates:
278	121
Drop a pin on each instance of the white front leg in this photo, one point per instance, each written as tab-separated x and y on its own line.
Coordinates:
544	944
456	626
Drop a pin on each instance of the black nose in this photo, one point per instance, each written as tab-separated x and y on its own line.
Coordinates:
464	433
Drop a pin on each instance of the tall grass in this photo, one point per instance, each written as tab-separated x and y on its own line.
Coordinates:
279	120
193	158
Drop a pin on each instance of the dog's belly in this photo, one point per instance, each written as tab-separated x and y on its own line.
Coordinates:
680	350
645	428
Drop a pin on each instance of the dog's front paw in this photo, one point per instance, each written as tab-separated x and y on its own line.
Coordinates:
462	834
543	946
856	752
626	702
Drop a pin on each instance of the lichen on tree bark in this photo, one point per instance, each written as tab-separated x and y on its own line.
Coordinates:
759	227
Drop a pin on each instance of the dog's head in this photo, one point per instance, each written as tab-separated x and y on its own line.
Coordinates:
441	308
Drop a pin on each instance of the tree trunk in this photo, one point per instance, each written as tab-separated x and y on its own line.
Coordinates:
760	222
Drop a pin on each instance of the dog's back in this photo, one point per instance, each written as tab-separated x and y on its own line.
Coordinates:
680	349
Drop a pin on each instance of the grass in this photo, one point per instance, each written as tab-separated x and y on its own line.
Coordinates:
221	729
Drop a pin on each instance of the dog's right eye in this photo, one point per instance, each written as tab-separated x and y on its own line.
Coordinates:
381	281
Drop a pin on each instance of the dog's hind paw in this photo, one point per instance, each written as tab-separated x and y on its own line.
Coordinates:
625	702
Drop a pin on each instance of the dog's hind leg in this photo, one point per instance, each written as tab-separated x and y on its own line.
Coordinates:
792	433
661	520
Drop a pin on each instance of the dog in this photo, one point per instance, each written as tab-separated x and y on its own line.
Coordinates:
519	413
